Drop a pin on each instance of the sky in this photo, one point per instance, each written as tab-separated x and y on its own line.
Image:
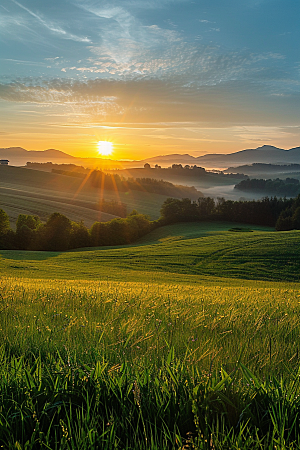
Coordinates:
153	77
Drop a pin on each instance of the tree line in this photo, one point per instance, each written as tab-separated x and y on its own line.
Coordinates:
264	167
113	207
115	182
289	187
60	233
281	213
289	218
192	171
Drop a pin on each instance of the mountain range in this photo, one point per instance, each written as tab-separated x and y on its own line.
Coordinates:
267	154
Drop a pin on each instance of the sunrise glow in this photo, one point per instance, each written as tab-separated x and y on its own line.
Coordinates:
105	148
187	78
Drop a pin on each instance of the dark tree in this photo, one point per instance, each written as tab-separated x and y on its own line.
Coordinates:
79	236
175	210
26	231
31	222
99	234
206	207
4	222
55	234
7	236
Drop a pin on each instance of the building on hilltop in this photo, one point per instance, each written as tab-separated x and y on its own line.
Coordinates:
4	162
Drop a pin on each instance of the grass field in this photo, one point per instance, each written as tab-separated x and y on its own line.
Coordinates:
187	340
172	252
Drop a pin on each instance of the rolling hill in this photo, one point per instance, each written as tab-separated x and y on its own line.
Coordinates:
26	191
185	253
195	323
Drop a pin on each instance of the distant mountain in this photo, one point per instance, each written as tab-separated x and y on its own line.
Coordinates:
22	155
266	154
174	158
18	156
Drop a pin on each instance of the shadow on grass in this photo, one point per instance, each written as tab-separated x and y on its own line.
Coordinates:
26	255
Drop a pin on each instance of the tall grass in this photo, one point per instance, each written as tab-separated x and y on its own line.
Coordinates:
140	321
54	404
105	365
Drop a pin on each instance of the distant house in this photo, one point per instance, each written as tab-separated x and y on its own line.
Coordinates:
4	162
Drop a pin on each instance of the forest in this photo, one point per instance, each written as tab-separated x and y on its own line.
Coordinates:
263	167
289	187
281	213
190	171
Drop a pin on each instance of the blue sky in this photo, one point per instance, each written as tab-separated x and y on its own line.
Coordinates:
154	77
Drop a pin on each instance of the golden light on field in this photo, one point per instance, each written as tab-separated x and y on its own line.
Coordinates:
105	148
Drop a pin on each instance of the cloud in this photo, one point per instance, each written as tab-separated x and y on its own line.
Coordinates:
154	101
125	48
124	39
15	27
122	47
147	72
51	25
153	52
22	62
132	4
263	133
74	99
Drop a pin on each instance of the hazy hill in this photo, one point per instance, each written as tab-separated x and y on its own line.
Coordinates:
267	171
174	158
19	153
266	154
189	177
28	191
19	156
263	168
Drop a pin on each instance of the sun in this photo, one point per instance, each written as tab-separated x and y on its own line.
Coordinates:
105	148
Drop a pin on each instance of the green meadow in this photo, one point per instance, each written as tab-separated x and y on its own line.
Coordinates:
188	339
185	253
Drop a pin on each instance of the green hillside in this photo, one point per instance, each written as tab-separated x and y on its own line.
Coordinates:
194	230
169	252
191	334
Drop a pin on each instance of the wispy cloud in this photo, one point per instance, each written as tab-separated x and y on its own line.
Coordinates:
205	21
20	61
52	26
263	133
154	101
121	46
